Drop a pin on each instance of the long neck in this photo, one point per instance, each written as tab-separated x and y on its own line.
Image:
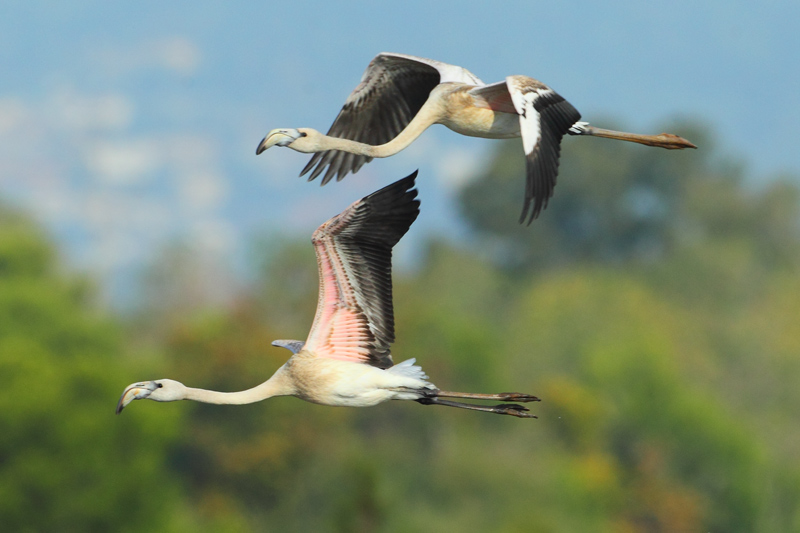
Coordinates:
430	113
278	385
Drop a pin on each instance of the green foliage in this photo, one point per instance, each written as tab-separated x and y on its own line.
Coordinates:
614	202
24	252
66	464
652	307
661	431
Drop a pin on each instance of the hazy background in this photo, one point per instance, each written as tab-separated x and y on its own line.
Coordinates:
653	305
126	127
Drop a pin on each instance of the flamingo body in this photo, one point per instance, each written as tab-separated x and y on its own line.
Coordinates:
345	383
400	96
346	359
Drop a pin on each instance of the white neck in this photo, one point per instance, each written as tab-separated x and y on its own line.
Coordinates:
278	385
430	113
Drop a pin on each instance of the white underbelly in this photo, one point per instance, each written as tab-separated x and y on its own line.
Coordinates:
343	383
478	122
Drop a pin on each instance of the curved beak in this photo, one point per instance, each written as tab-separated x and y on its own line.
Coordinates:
274	137
137	391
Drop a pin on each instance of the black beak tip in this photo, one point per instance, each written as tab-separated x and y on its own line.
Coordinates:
261	146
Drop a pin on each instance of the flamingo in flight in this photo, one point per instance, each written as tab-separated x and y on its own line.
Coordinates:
346	360
400	96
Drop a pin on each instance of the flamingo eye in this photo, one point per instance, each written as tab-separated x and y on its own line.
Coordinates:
159	385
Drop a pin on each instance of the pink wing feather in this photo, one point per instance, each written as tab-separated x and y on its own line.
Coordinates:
354	319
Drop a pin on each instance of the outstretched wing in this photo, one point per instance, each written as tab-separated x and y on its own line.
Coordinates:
354	319
392	90
544	118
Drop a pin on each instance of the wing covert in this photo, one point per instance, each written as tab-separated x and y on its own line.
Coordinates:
354	320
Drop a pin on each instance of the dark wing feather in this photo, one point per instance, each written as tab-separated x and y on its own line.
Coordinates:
392	90
355	318
544	119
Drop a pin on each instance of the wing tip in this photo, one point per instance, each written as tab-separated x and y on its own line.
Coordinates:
403	184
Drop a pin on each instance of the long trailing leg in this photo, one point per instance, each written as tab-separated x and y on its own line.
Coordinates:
663	140
434	397
511	409
503	396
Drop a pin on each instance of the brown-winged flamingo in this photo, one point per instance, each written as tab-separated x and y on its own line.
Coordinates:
345	360
400	96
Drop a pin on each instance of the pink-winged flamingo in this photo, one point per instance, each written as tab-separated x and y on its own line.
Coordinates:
400	96
345	360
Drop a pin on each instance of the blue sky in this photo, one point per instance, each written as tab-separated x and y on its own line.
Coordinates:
125	127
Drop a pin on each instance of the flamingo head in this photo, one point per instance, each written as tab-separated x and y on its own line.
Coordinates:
162	390
283	137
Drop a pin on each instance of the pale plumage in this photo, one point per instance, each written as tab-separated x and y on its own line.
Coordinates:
401	95
345	361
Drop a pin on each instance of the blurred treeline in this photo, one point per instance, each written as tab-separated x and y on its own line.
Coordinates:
654	307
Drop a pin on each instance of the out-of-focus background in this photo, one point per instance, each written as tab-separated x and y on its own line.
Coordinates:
654	306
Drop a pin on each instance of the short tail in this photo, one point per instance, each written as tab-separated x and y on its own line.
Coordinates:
408	369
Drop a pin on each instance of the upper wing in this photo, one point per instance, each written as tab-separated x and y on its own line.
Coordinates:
544	118
392	90
354	319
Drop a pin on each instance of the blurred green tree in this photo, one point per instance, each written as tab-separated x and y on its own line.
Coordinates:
65	462
658	329
615	202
